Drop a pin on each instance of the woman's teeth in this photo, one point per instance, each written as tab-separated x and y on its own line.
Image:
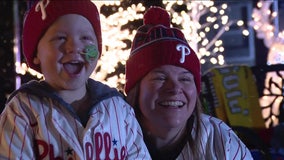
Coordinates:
172	103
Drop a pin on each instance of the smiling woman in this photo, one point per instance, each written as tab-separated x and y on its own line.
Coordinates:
168	94
163	85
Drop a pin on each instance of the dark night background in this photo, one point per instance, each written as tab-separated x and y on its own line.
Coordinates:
7	26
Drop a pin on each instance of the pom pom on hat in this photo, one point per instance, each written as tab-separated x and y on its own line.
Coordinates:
156	44
42	15
156	16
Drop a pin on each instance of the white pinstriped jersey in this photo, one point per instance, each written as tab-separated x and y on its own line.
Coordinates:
37	124
218	142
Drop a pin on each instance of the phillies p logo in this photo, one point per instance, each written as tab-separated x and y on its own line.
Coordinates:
184	51
41	5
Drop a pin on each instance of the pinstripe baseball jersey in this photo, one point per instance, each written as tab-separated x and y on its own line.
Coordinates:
37	124
218	142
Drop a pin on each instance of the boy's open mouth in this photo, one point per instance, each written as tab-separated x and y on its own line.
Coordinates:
73	67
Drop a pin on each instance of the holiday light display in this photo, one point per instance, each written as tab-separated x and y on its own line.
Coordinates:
116	51
208	50
265	23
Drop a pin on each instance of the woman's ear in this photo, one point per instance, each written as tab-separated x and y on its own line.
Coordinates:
36	60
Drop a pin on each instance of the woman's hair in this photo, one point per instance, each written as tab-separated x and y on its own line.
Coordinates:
194	142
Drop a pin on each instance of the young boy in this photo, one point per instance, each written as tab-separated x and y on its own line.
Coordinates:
67	115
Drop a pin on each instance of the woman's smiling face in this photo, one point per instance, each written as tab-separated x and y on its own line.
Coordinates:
59	52
167	97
